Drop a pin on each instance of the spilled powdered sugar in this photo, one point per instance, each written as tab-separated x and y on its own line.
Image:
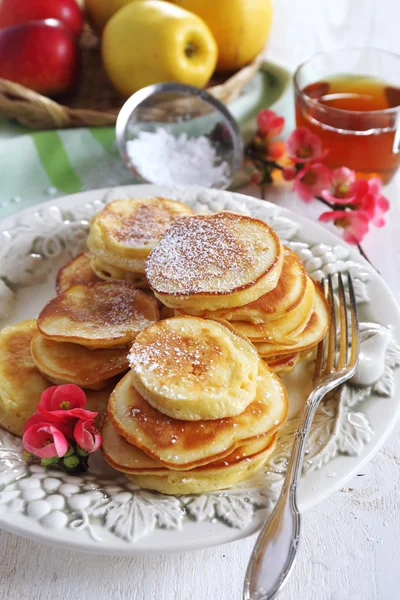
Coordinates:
165	159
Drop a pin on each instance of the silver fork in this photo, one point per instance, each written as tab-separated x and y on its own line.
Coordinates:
275	551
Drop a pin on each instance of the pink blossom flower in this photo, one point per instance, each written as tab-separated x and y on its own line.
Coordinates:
375	185
310	181
342	176
269	123
63	397
87	436
288	173
375	207
46	440
302	146
374	204
344	189
362	194
355	223
62	403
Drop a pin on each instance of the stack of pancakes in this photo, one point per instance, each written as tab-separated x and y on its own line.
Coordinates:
82	336
122	235
120	239
21	382
84	332
198	411
232	267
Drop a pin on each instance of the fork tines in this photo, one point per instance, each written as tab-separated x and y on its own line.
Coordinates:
338	352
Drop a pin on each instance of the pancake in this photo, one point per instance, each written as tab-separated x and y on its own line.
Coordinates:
314	332
106	272
62	362
206	479
283	364
284	298
284	330
182	445
124	232
129	459
191	369
98	315
77	270
209	262
21	384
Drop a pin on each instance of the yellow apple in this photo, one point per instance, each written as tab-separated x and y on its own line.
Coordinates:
240	27
151	41
99	11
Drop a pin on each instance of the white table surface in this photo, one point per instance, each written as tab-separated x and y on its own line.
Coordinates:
350	544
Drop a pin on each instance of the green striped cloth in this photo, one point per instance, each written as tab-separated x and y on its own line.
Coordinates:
35	167
39	166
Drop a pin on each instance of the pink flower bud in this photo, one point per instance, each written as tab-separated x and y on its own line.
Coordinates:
355	223
289	173
310	181
269	123
87	436
275	150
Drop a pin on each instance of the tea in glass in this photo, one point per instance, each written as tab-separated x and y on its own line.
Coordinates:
351	100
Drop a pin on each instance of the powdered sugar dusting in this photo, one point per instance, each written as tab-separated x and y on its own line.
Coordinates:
98	311
213	253
176	355
148	222
165	159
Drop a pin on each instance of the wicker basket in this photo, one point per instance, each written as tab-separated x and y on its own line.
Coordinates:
95	102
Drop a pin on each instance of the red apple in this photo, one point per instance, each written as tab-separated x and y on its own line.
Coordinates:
16	12
41	55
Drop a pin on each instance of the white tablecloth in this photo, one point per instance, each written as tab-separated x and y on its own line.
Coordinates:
350	544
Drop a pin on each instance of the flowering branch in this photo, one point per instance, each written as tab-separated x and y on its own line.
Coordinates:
354	205
253	154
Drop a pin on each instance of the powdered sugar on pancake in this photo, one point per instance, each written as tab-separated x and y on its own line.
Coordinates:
99	311
144	224
210	253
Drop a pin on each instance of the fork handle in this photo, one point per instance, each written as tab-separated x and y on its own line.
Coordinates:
276	547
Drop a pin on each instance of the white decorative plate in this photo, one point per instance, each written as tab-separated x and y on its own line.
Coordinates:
101	511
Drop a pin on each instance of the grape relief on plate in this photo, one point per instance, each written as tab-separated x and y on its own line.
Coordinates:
95	504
